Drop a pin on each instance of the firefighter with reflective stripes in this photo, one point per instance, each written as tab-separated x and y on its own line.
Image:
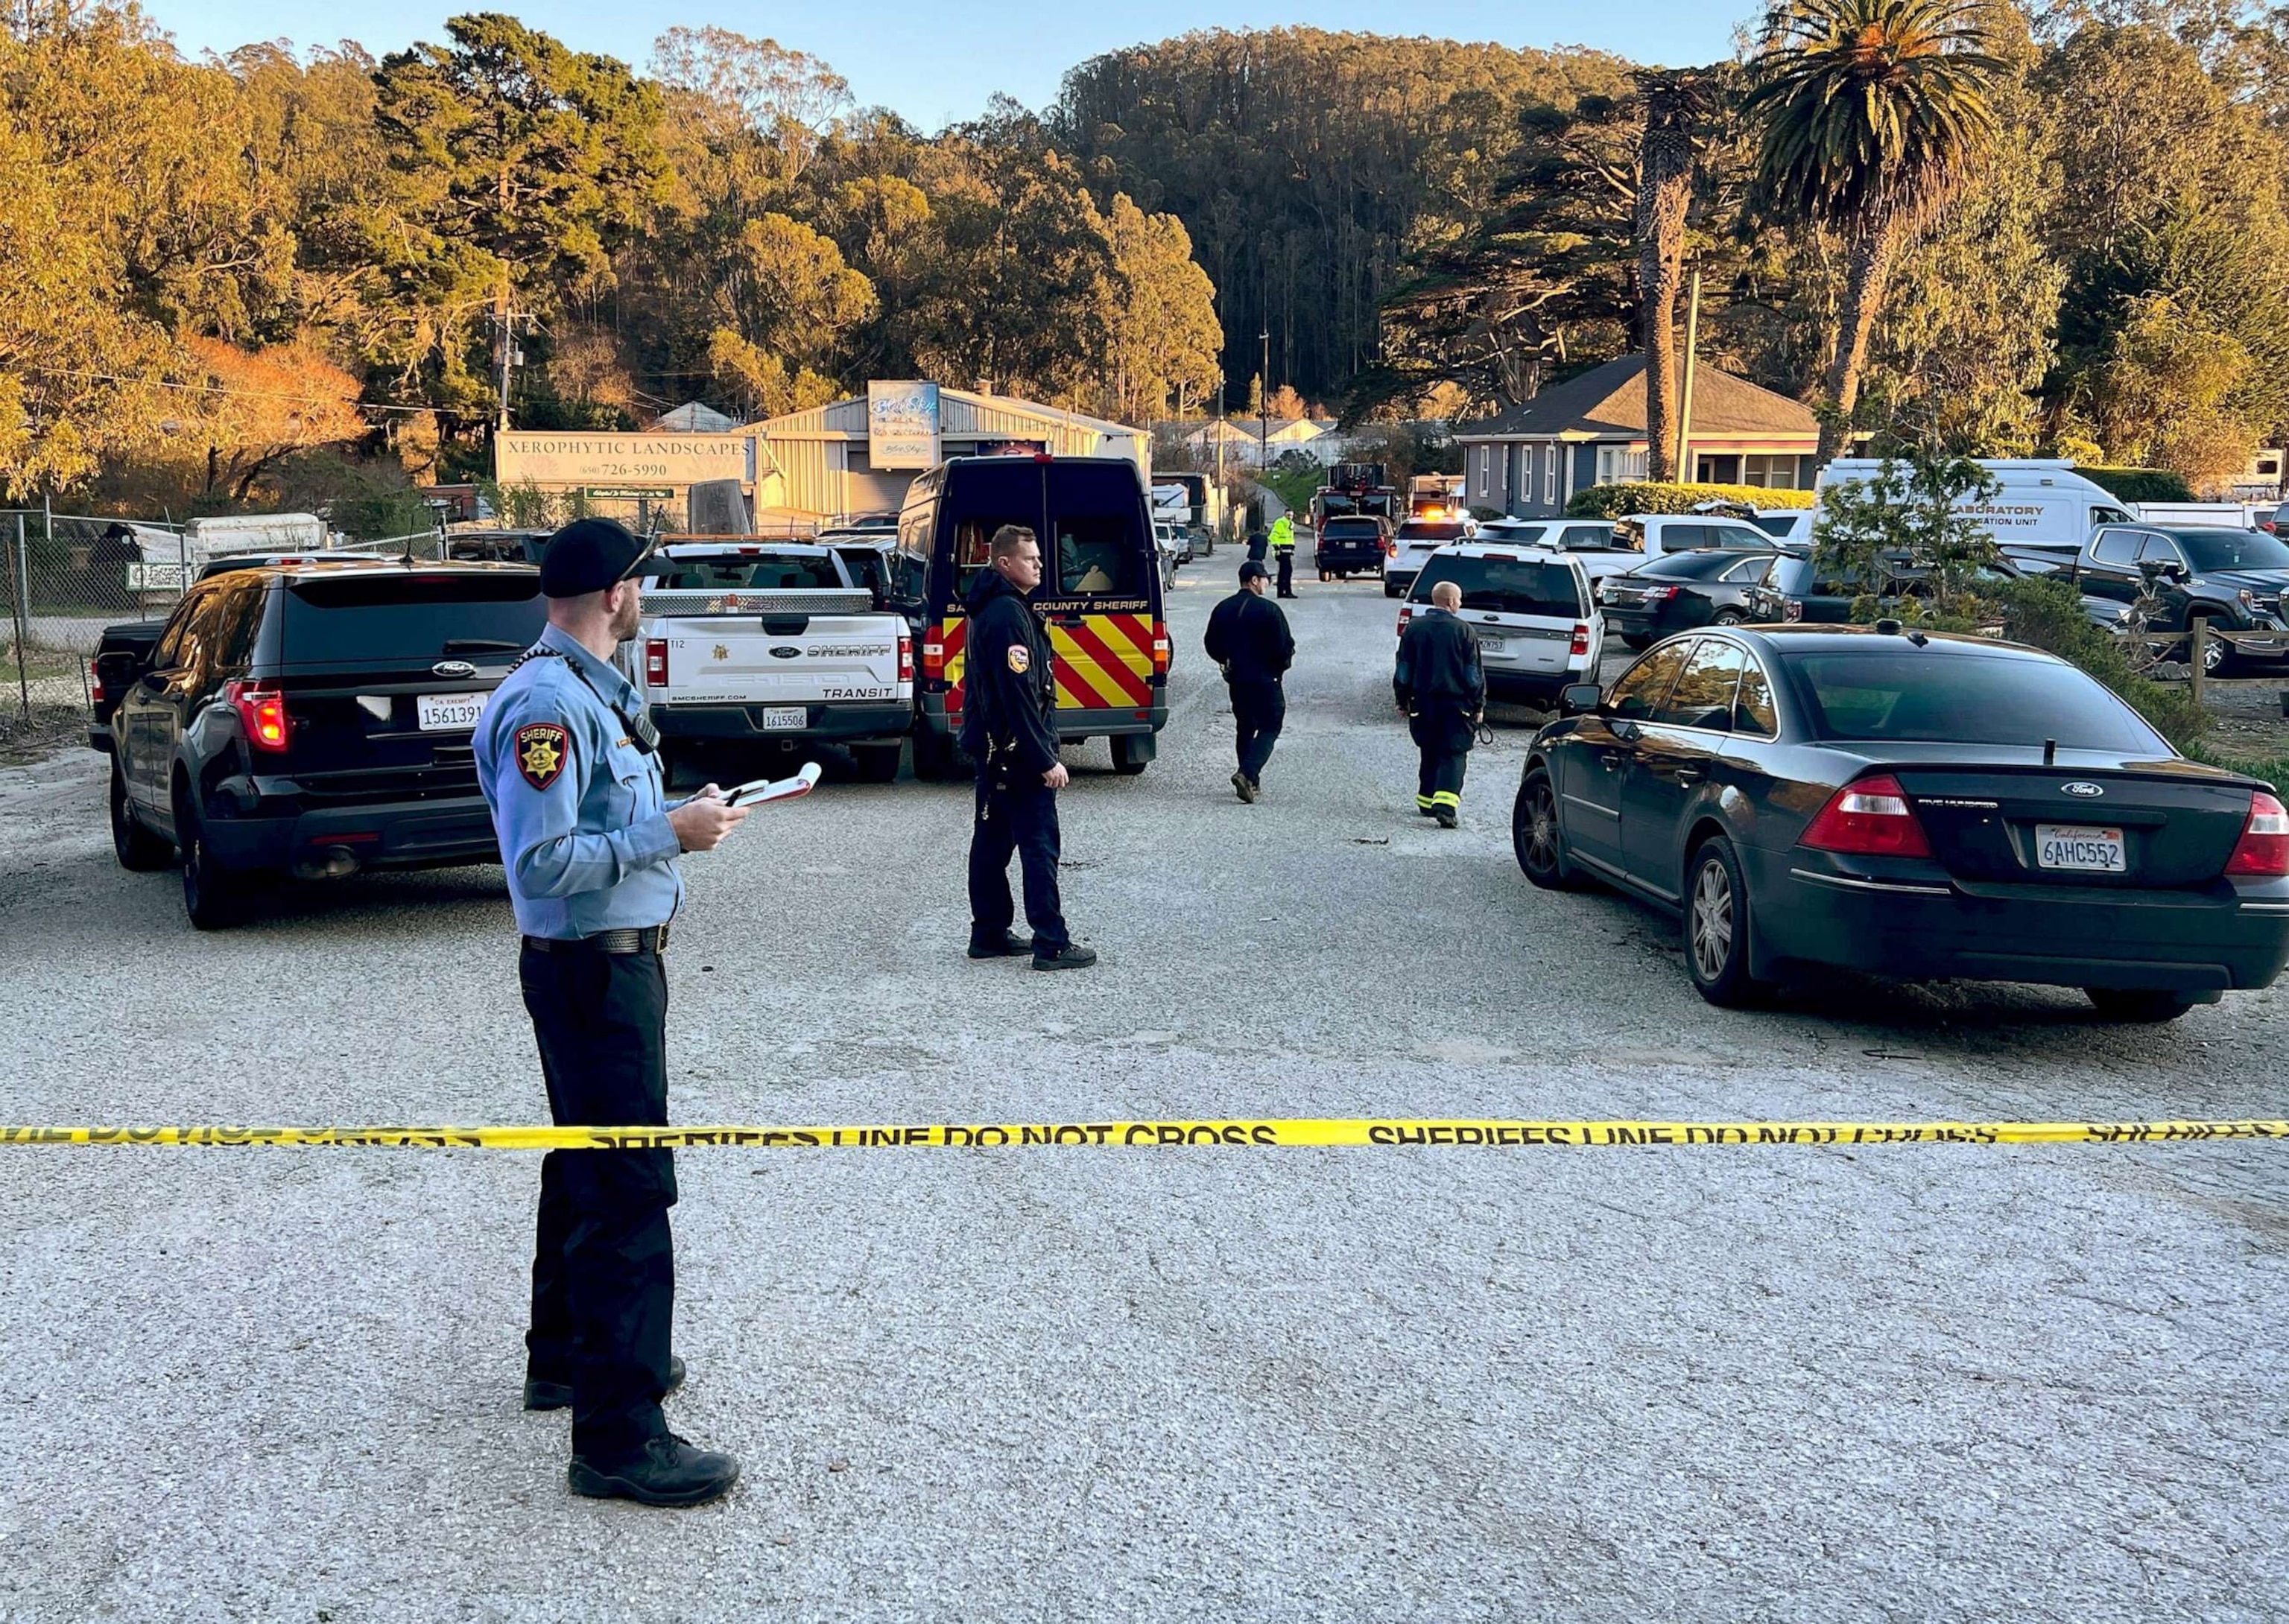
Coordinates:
1009	726
1440	685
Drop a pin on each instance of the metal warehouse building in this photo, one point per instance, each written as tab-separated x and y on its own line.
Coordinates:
827	462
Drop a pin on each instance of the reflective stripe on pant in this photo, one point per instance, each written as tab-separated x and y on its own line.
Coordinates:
603	1257
1259	709
1443	733
1020	819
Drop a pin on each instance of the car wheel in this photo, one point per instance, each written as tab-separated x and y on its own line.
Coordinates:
1537	838
1636	640
1717	928
1131	755
214	896
2136	1007
2217	654
138	849
1389	591
1728	617
876	763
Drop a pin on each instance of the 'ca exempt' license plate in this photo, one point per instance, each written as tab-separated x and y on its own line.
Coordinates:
448	712
785	718
2076	846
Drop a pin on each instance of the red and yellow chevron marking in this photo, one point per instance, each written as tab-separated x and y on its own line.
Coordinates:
1104	663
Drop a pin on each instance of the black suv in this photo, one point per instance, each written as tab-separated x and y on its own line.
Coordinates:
1350	544
2233	579
310	719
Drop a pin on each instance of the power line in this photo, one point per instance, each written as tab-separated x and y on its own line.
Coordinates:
271	394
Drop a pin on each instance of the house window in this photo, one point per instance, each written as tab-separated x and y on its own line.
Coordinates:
1550	475
1618	464
1486	471
1775	472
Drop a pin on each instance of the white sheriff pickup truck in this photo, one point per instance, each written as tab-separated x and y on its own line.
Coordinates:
772	644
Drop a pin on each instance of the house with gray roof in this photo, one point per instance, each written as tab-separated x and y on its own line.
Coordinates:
1528	461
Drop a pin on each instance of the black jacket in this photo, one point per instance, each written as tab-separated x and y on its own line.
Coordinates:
1439	665
1009	693
1248	637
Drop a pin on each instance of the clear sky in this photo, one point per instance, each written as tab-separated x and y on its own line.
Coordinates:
934	61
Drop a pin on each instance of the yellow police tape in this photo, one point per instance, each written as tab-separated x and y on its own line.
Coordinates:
1273	1131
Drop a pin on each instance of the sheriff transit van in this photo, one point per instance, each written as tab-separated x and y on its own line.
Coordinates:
1099	597
2041	517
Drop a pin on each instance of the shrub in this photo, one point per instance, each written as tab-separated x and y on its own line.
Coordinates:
1615	501
2047	614
2136	485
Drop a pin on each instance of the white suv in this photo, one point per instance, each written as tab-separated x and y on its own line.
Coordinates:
1416	540
1592	541
1537	627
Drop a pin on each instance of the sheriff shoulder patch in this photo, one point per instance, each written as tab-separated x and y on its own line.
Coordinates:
1021	658
542	749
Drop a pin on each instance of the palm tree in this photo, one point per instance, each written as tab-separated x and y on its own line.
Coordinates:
1678	104
1871	115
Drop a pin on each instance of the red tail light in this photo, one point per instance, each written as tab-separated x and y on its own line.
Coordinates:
1659	594
1406	613
1581	639
1868	817
262	711
1160	648
655	661
934	661
2263	852
1792	611
906	657
95	686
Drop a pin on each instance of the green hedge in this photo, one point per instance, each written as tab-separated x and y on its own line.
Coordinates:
1615	501
2140	484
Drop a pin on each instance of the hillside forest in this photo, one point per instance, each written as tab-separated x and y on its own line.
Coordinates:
293	274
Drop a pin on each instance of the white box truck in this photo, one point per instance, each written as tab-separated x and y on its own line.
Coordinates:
2042	514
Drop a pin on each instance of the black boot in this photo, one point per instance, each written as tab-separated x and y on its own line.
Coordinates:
1071	956
1011	946
668	1471
541	1394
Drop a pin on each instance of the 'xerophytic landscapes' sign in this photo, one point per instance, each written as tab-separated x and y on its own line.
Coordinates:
617	459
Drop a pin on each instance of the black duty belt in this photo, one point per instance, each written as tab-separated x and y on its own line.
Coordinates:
635	939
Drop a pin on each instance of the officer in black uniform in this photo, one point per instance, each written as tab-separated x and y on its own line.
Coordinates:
1009	726
1248	637
569	766
1441	686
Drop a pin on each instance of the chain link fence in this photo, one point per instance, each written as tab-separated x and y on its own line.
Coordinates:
67	575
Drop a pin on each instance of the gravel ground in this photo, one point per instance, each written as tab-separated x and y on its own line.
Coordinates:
1916	1383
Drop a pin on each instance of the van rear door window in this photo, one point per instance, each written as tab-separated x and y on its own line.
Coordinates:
1097	556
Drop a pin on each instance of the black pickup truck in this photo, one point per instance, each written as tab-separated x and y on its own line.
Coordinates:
2233	579
308	720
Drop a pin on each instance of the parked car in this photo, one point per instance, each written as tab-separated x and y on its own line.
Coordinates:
1595	543
313	721
771	646
1654	535
1169	539
2233	579
1908	805
1680	592
2277	523
1536	628
1349	547
1788	527
1413	543
1798	588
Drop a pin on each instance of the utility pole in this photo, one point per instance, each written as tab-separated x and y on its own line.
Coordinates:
1685	392
1263	407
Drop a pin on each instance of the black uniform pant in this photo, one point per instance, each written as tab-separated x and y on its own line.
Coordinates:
1020	818
1258	710
604	1261
1443	733
1287	572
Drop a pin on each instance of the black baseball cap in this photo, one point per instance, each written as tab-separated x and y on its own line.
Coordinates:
589	555
1253	571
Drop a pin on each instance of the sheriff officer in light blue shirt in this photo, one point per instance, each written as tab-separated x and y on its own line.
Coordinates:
569	766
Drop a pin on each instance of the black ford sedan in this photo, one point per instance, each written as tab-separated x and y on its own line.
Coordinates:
1908	805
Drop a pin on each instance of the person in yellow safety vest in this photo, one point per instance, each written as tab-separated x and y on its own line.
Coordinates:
1283	547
